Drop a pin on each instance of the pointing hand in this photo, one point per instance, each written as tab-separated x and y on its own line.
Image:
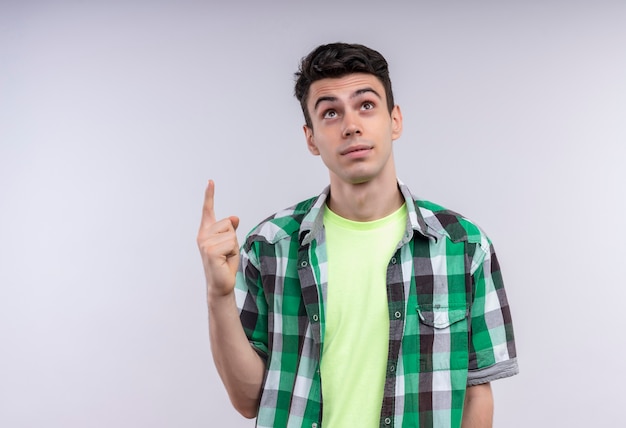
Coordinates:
219	249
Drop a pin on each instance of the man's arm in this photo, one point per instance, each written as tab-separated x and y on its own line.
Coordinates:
478	408
239	366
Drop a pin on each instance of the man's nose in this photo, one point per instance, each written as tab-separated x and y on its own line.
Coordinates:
352	125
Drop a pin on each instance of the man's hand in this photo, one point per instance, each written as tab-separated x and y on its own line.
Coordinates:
219	249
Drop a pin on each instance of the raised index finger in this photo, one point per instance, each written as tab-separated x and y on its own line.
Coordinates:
208	211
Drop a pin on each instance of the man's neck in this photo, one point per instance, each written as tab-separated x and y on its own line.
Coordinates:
367	201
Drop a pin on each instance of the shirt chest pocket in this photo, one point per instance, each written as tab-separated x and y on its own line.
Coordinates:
443	337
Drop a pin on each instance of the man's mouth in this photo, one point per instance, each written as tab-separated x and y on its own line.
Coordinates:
357	148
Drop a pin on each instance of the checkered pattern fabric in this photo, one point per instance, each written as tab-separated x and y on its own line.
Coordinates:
449	320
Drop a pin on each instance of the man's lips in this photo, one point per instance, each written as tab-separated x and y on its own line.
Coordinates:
356	148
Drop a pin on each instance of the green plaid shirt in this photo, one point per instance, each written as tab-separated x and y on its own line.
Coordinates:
449	320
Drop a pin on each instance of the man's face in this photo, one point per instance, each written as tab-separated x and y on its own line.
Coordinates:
352	129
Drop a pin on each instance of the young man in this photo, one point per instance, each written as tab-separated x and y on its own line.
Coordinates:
362	306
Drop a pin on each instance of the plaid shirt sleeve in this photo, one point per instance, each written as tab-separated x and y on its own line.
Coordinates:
252	303
492	348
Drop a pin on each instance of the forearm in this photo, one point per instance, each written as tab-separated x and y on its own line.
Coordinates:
239	366
478	409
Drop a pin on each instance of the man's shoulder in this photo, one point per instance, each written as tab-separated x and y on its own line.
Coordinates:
450	223
282	224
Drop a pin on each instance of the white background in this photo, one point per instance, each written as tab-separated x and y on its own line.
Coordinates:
113	115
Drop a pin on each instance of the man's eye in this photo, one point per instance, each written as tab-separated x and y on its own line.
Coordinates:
367	105
330	114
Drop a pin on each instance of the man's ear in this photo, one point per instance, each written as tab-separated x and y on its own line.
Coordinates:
310	140
396	122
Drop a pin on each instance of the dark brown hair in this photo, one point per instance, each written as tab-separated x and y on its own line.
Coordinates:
338	60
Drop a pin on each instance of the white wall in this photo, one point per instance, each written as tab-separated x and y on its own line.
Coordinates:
114	114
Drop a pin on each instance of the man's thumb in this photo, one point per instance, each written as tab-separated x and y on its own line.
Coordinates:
234	220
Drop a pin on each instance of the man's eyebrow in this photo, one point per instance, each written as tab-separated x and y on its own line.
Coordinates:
354	95
364	91
322	99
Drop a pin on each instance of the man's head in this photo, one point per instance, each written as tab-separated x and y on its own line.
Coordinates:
338	60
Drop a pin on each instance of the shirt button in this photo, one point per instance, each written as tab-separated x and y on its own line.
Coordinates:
313	425
315	318
392	368
398	314
387	421
393	260
304	263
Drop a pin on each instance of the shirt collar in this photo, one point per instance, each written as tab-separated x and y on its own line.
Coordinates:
313	222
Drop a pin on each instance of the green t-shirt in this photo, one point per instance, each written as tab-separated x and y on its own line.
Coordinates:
354	357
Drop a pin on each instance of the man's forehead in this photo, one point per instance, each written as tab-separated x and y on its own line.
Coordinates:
344	86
